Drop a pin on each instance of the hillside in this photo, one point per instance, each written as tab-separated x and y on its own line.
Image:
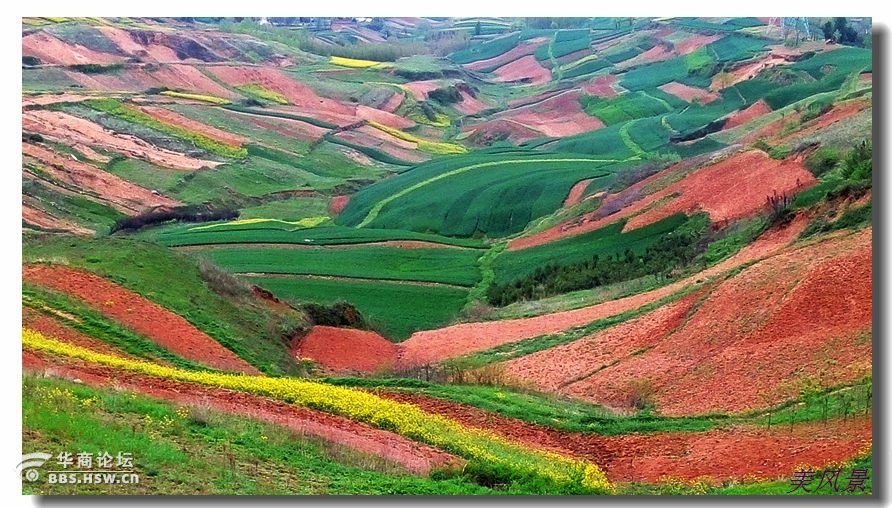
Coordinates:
449	255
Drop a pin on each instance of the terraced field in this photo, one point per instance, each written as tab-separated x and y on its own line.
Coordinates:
401	255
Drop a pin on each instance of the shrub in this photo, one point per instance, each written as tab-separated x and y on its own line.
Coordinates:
822	160
187	213
337	314
858	164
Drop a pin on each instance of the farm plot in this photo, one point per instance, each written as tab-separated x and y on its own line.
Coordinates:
275	231
606	241
487	50
624	107
446	266
395	309
493	194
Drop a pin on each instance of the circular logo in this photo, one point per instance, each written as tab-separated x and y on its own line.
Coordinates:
32	475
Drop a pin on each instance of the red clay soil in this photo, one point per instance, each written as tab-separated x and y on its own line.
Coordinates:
51	326
525	68
51	50
73	130
365	136
739	453
689	93
602	86
286	127
302	98
346	350
575	194
655	54
554	368
756	110
393	102
174	118
744	72
35	216
415	457
557	116
117	192
298	94
134	311
773	129
485	133
838	113
525	48
182	77
866	77
732	189
337	204
694	43
468	104
420	89
431	346
802	314
663	194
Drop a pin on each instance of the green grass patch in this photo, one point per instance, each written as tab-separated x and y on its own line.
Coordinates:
247	327
177	450
394	309
448	266
130	114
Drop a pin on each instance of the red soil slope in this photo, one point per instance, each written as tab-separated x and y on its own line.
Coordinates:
575	194
415	457
803	314
73	130
732	189
174	118
558	115
527	47
525	68
601	86
346	349
117	192
740	452
134	311
431	346
688	93
52	327
337	204
35	216
756	110
754	174
51	50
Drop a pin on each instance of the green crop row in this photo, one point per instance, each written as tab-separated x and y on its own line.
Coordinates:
131	114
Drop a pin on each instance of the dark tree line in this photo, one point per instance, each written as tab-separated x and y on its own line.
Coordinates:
672	251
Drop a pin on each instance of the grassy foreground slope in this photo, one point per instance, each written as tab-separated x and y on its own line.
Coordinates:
258	334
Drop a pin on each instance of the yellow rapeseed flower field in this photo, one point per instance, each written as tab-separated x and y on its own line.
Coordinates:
405	419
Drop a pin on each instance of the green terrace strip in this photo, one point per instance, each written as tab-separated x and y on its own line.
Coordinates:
483	449
178	449
247	327
89	322
374	153
463	198
448	266
273	232
525	347
131	114
394	309
196	97
280	114
259	92
545	409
